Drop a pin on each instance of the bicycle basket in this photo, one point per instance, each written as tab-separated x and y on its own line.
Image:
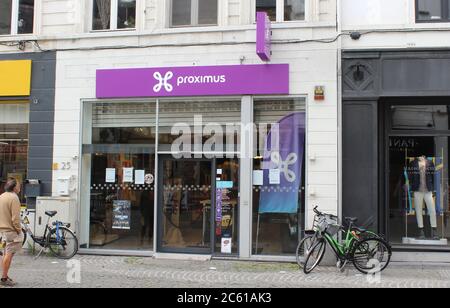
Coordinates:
326	223
333	229
321	224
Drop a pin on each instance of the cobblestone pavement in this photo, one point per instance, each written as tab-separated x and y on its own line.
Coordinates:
106	272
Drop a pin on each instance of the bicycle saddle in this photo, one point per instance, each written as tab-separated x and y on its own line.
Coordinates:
51	213
351	219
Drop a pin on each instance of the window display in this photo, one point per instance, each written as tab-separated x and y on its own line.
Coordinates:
13	144
122	166
421	184
278	191
419	190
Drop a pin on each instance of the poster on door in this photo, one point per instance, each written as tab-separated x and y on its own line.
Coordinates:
121	215
224	213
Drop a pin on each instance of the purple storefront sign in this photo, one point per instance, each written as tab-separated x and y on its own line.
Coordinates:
262	79
263	36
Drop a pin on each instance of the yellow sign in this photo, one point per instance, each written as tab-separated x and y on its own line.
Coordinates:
15	78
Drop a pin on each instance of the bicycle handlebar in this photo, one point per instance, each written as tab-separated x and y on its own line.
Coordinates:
317	212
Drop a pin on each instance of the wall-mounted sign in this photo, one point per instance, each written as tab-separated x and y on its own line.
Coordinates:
263	36
15	78
264	79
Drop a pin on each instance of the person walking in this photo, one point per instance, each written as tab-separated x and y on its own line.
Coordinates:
10	228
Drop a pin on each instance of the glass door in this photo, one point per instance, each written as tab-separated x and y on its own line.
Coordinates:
186	194
198	205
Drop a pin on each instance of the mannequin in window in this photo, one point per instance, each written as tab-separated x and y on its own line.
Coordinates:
422	185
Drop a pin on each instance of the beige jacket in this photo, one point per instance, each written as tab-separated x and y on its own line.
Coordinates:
10	213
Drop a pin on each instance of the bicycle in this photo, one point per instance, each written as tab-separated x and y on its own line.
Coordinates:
310	237
57	237
368	252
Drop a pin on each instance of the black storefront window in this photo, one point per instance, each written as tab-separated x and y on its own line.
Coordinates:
418	174
432	11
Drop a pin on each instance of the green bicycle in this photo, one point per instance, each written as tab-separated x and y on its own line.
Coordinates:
368	252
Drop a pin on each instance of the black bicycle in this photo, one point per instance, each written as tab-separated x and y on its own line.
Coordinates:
368	251
57	237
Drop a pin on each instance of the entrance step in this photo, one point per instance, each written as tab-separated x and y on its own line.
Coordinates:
421	257
182	257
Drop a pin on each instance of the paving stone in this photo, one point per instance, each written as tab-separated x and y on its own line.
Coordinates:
124	272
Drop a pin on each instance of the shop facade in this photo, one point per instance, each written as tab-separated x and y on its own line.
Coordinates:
210	159
395	141
169	172
27	90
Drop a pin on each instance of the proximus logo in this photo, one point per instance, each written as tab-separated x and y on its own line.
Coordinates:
163	82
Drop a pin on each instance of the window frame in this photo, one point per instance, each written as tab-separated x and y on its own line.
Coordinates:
14	29
194	16
280	8
113	18
445	6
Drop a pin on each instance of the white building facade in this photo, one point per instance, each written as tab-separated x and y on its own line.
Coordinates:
195	171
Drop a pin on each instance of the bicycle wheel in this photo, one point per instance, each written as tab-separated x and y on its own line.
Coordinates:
24	237
371	255
303	248
315	256
63	244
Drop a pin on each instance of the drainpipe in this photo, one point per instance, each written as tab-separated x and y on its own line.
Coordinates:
339	104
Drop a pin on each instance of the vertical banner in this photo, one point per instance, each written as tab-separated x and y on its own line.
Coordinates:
218	212
287	157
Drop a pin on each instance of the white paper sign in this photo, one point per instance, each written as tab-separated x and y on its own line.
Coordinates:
219	171
274	177
139	177
128	175
110	175
226	245
258	177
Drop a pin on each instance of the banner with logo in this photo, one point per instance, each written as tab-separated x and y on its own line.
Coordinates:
193	81
283	152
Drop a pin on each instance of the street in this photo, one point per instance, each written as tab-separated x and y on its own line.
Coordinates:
131	272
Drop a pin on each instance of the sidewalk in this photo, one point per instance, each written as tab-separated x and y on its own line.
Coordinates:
103	272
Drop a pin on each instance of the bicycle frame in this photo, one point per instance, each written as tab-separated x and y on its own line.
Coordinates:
341	250
26	226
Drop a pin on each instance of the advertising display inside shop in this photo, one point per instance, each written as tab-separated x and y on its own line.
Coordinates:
278	176
121	214
121	173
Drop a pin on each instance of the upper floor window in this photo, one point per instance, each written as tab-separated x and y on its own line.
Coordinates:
432	10
188	13
16	17
282	10
113	14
